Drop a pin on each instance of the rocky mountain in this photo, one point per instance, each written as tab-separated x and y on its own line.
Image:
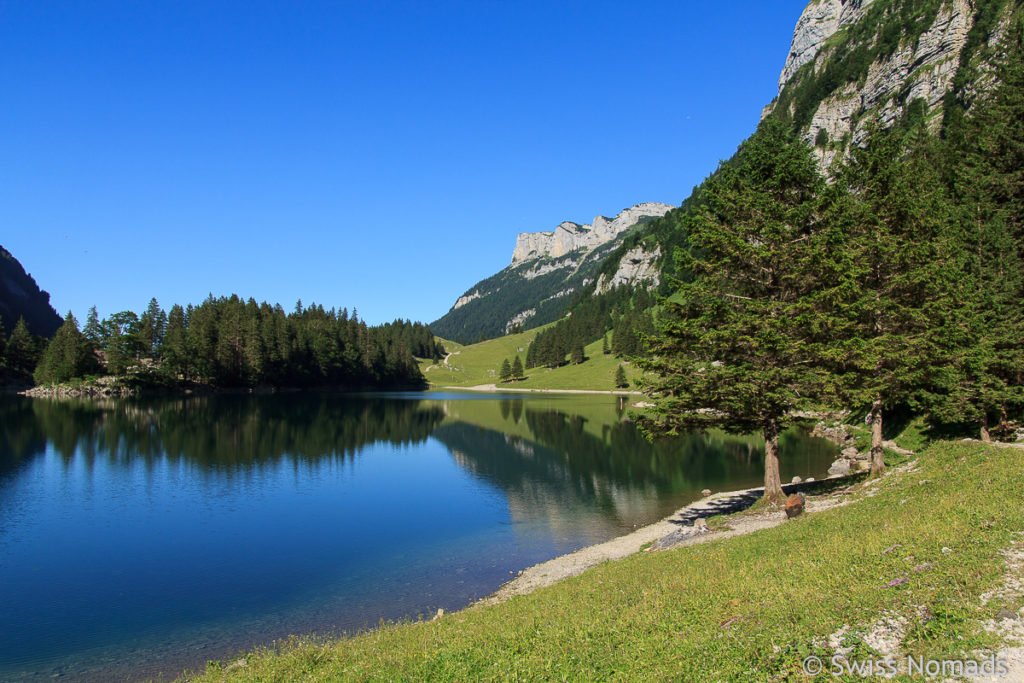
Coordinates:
547	268
854	61
852	64
20	296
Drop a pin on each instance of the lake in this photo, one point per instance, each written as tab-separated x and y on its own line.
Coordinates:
144	537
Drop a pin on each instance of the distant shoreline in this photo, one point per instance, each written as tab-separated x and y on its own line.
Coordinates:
494	387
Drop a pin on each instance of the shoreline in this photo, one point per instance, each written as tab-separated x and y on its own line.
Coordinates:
679	523
493	388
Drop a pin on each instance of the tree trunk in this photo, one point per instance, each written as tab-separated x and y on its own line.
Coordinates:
877	463
985	436
772	481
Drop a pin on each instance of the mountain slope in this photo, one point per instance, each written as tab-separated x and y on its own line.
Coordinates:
855	62
20	296
547	269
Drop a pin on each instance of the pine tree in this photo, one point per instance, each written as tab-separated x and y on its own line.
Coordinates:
22	351
93	330
517	369
988	187
66	356
506	371
605	349
896	214
577	353
730	348
175	353
620	378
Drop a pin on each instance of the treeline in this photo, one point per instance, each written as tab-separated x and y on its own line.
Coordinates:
231	342
900	283
621	316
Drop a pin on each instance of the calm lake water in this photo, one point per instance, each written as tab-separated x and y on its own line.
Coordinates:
147	537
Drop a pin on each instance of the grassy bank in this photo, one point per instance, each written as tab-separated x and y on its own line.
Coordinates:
480	363
919	547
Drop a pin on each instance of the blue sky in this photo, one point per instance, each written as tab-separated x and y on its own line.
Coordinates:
376	155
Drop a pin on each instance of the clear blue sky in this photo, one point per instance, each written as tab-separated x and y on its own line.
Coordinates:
377	155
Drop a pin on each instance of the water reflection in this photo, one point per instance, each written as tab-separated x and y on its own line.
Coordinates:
246	518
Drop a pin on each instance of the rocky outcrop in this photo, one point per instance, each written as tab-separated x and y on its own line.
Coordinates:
818	22
636	267
922	68
463	300
519	319
569	236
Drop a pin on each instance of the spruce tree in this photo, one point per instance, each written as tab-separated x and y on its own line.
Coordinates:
896	215
517	369
620	378
577	353
731	346
505	374
66	356
22	352
988	185
605	349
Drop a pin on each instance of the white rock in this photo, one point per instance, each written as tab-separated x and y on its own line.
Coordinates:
569	236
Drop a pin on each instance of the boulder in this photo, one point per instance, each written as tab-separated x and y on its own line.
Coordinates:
706	492
840	468
795	505
797	480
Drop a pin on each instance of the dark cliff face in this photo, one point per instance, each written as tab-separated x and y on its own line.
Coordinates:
20	296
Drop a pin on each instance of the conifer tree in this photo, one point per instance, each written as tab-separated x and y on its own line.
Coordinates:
620	378
605	349
577	353
506	371
22	353
896	214
517	369
988	187
731	347
66	356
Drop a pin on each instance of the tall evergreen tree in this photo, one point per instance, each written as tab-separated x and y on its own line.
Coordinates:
22	351
620	378
896	213
517	369
68	355
731	347
505	374
988	183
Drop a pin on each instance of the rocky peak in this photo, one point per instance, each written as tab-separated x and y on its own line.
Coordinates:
819	20
569	236
922	68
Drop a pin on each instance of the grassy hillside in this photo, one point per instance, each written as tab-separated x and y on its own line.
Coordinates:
911	557
478	364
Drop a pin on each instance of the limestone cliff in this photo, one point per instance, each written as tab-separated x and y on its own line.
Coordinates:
636	267
852	61
569	237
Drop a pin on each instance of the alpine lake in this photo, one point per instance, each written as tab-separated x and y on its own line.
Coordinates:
140	538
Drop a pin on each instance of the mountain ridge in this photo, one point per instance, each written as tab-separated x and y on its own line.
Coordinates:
21	297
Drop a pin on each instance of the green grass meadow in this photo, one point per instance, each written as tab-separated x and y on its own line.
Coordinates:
480	363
